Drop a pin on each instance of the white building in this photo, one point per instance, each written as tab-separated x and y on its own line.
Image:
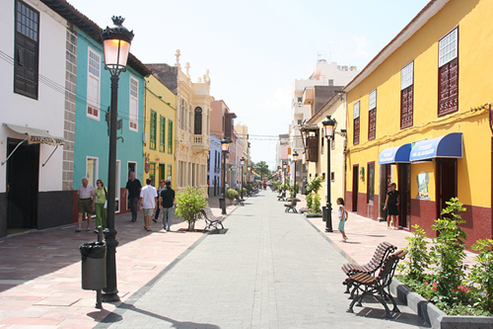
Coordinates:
309	96
36	89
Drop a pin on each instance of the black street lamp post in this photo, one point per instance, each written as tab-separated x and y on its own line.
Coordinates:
295	159
284	169
249	173
330	125
116	43
222	200
242	162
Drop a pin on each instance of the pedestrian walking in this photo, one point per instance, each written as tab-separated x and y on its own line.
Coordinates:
148	202
342	215
133	189
85	203
392	206
100	204
166	201
162	185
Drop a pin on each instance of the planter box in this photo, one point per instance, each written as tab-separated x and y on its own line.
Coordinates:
434	316
312	215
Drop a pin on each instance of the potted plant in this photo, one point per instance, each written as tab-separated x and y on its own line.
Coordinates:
188	205
231	194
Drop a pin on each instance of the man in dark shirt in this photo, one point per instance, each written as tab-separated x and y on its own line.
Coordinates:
133	187
166	201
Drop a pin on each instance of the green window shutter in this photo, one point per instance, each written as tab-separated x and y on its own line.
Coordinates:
170	136
153	130
162	134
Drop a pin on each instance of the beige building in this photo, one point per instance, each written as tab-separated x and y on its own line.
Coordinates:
317	147
193	105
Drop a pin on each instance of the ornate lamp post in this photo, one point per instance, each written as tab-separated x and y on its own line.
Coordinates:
284	167
295	159
242	162
330	125
116	44
249	170
222	199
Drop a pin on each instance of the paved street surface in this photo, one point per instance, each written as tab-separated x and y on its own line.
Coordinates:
267	270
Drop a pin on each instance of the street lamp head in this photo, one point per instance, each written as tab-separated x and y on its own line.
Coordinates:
295	156
242	161
116	44
249	168
284	165
330	125
225	145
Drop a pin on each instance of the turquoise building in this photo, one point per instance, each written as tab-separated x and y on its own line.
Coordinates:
93	90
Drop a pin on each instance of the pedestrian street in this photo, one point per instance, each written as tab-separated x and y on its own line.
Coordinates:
267	269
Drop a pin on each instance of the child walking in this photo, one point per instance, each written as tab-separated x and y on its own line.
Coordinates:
342	215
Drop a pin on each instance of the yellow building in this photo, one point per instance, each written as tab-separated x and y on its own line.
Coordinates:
336	108
159	132
418	115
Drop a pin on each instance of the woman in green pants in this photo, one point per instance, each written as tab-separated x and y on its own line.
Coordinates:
101	195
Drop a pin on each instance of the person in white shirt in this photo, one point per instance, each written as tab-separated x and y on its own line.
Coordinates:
148	202
85	204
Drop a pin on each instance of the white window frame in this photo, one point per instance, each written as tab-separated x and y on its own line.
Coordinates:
407	75
93	77
96	170
133	118
372	100
448	47
356	110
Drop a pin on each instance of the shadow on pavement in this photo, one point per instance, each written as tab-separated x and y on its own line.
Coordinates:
406	318
113	317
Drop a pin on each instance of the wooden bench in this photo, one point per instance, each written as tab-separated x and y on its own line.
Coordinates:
375	285
211	220
291	205
384	249
237	200
282	196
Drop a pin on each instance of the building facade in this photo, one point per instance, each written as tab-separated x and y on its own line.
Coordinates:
159	132
193	104
419	116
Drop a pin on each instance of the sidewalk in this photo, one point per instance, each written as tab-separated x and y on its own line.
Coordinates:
40	283
268	269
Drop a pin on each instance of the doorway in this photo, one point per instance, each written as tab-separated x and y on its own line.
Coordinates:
446	182
355	188
22	186
404	180
131	168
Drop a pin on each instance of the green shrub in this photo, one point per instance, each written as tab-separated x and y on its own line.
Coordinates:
418	259
231	194
316	204
481	275
309	201
188	205
314	185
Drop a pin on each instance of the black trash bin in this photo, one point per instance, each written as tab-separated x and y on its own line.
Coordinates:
93	265
222	202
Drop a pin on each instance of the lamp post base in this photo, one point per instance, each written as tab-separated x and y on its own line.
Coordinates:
327	213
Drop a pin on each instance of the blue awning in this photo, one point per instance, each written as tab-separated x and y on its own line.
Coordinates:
448	146
399	154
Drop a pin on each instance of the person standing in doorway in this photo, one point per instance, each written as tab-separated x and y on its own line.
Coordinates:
161	187
166	201
148	202
392	206
133	189
85	203
100	198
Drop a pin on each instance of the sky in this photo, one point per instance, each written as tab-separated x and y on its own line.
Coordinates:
255	49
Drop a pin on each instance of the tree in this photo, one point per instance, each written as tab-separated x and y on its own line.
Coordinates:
262	169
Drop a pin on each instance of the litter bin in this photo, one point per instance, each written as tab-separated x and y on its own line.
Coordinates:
93	265
222	201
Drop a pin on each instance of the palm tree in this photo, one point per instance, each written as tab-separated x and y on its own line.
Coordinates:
262	169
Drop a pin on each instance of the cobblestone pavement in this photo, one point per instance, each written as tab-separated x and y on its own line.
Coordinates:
268	269
40	271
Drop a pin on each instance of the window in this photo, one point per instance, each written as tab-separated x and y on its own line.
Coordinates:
152	173
371	182
93	83
26	51
372	115
134	105
153	130
170	136
331	82
162	134
448	73
170	171
300	99
198	121
407	97
92	170
356	123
